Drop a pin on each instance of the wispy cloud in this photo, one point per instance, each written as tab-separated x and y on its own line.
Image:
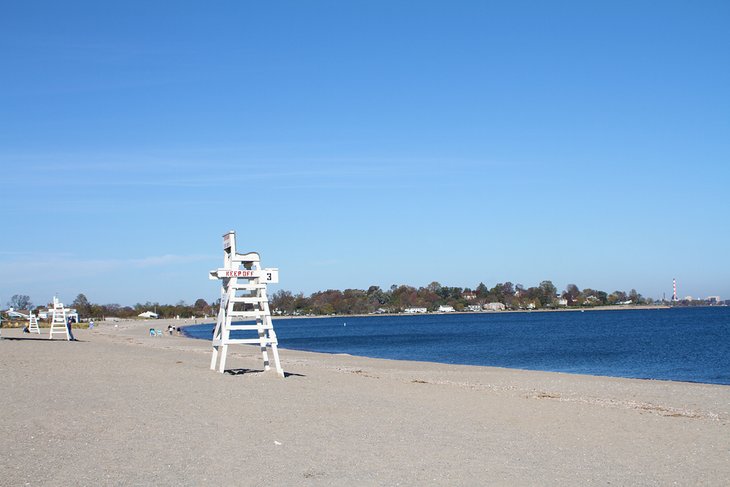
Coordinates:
28	268
179	171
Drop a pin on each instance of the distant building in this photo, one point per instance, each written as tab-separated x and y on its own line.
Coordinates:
148	314
563	302
415	310
473	307
13	313
445	309
713	300
48	314
495	307
469	295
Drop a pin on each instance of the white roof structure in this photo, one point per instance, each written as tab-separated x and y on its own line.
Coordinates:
16	314
148	314
495	306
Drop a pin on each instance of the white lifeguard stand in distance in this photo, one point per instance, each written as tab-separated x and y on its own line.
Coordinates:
58	319
33	323
242	273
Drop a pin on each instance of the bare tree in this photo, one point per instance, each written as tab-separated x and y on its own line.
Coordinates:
20	301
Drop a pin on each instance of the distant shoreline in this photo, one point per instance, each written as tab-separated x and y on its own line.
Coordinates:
541	310
211	319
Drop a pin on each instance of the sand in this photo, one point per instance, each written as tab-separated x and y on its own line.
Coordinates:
122	408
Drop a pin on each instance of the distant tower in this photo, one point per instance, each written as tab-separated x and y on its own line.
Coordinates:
674	289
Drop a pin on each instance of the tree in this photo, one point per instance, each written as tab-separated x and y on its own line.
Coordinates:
376	297
283	301
572	293
201	306
20	301
434	287
635	297
482	290
547	293
82	305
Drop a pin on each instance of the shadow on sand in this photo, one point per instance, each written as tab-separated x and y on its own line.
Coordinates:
258	371
36	339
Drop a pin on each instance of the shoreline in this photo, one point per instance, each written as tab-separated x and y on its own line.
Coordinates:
541	310
120	407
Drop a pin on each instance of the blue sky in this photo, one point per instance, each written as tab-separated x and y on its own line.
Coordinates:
360	143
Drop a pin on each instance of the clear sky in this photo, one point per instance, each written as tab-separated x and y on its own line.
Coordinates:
363	142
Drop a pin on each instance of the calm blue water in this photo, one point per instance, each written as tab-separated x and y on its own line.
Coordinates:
679	344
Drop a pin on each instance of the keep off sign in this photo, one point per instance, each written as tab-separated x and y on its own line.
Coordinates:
269	276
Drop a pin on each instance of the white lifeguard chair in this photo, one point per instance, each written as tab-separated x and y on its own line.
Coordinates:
58	320
33	323
242	273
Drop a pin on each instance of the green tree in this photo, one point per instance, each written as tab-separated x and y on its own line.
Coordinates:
376	297
482	290
82	305
548	291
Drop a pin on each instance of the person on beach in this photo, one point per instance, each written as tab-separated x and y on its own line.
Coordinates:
91	324
69	322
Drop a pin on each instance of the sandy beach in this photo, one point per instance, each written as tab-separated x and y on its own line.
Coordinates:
120	407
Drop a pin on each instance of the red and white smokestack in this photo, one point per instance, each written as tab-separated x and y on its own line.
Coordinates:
674	287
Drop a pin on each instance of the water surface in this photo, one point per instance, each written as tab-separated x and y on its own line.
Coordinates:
681	344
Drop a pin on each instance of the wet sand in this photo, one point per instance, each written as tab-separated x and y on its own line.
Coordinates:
120	407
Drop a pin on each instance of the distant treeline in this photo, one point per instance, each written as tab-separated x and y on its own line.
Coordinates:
87	310
396	299
399	298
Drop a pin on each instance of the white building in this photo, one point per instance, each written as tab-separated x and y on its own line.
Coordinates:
148	314
16	314
446	309
415	310
494	307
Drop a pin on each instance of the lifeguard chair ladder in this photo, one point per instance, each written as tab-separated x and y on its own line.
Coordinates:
58	320
33	323
242	273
